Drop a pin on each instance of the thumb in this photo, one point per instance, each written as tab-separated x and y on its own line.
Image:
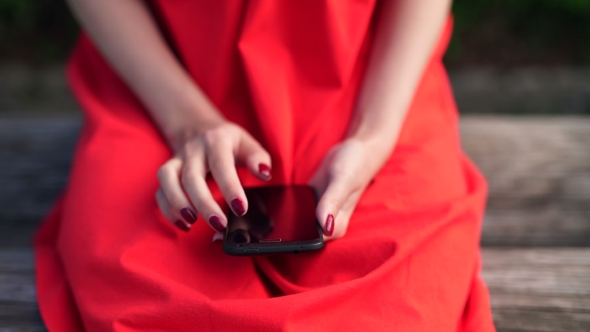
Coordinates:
218	236
255	157
330	204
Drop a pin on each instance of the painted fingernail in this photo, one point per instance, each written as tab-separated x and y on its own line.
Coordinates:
215	221
264	170
238	206
188	215
217	237
182	225
329	226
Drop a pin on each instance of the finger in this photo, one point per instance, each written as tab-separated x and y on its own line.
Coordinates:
255	157
336	194
194	184
320	179
167	212
169	177
223	168
218	236
344	215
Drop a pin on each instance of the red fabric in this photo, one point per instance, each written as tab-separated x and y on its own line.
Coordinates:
288	72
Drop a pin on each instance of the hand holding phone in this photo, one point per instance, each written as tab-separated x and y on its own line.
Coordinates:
280	219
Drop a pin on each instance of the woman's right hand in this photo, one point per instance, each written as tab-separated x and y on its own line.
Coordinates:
218	149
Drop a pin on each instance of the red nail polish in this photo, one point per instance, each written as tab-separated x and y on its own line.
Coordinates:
188	215
329	226
182	225
264	170
215	221
238	206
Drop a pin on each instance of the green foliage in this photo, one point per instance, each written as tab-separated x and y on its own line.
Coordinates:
521	32
509	32
15	13
35	31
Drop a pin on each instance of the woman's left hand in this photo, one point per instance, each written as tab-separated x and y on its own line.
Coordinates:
342	177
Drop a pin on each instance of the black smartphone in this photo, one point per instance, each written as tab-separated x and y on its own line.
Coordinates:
280	219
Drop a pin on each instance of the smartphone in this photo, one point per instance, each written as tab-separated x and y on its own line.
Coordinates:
280	219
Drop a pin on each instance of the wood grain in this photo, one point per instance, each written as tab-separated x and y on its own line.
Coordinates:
532	290
538	169
544	289
35	159
18	303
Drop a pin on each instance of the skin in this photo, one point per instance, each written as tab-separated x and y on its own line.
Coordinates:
203	141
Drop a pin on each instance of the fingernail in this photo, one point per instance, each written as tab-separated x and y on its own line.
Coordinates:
217	237
182	225
264	170
215	221
238	206
188	215
329	226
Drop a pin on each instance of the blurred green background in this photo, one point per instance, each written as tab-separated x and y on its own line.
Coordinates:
506	57
521	32
496	32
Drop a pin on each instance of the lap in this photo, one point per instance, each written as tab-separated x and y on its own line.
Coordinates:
414	236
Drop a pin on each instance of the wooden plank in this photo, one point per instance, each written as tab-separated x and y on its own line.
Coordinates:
532	290
35	156
18	302
17	276
545	289
538	171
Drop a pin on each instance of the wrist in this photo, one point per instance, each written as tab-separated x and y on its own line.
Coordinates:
183	121
379	140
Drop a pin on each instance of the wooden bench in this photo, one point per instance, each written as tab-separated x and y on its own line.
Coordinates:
536	235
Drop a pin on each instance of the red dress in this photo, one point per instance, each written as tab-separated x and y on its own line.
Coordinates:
289	73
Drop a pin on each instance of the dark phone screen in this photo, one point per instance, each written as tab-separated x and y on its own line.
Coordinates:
276	214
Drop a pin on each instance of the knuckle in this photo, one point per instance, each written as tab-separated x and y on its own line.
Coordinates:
163	171
215	136
215	163
335	202
188	177
216	150
225	132
210	137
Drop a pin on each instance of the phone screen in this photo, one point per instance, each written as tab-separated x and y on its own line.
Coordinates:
277	216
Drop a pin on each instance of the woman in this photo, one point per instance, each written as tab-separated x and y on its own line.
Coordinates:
350	97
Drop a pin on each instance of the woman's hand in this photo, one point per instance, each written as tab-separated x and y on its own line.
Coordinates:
406	32
218	149
344	174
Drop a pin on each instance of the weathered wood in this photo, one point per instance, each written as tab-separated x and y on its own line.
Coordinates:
35	156
18	303
539	289
538	170
532	290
